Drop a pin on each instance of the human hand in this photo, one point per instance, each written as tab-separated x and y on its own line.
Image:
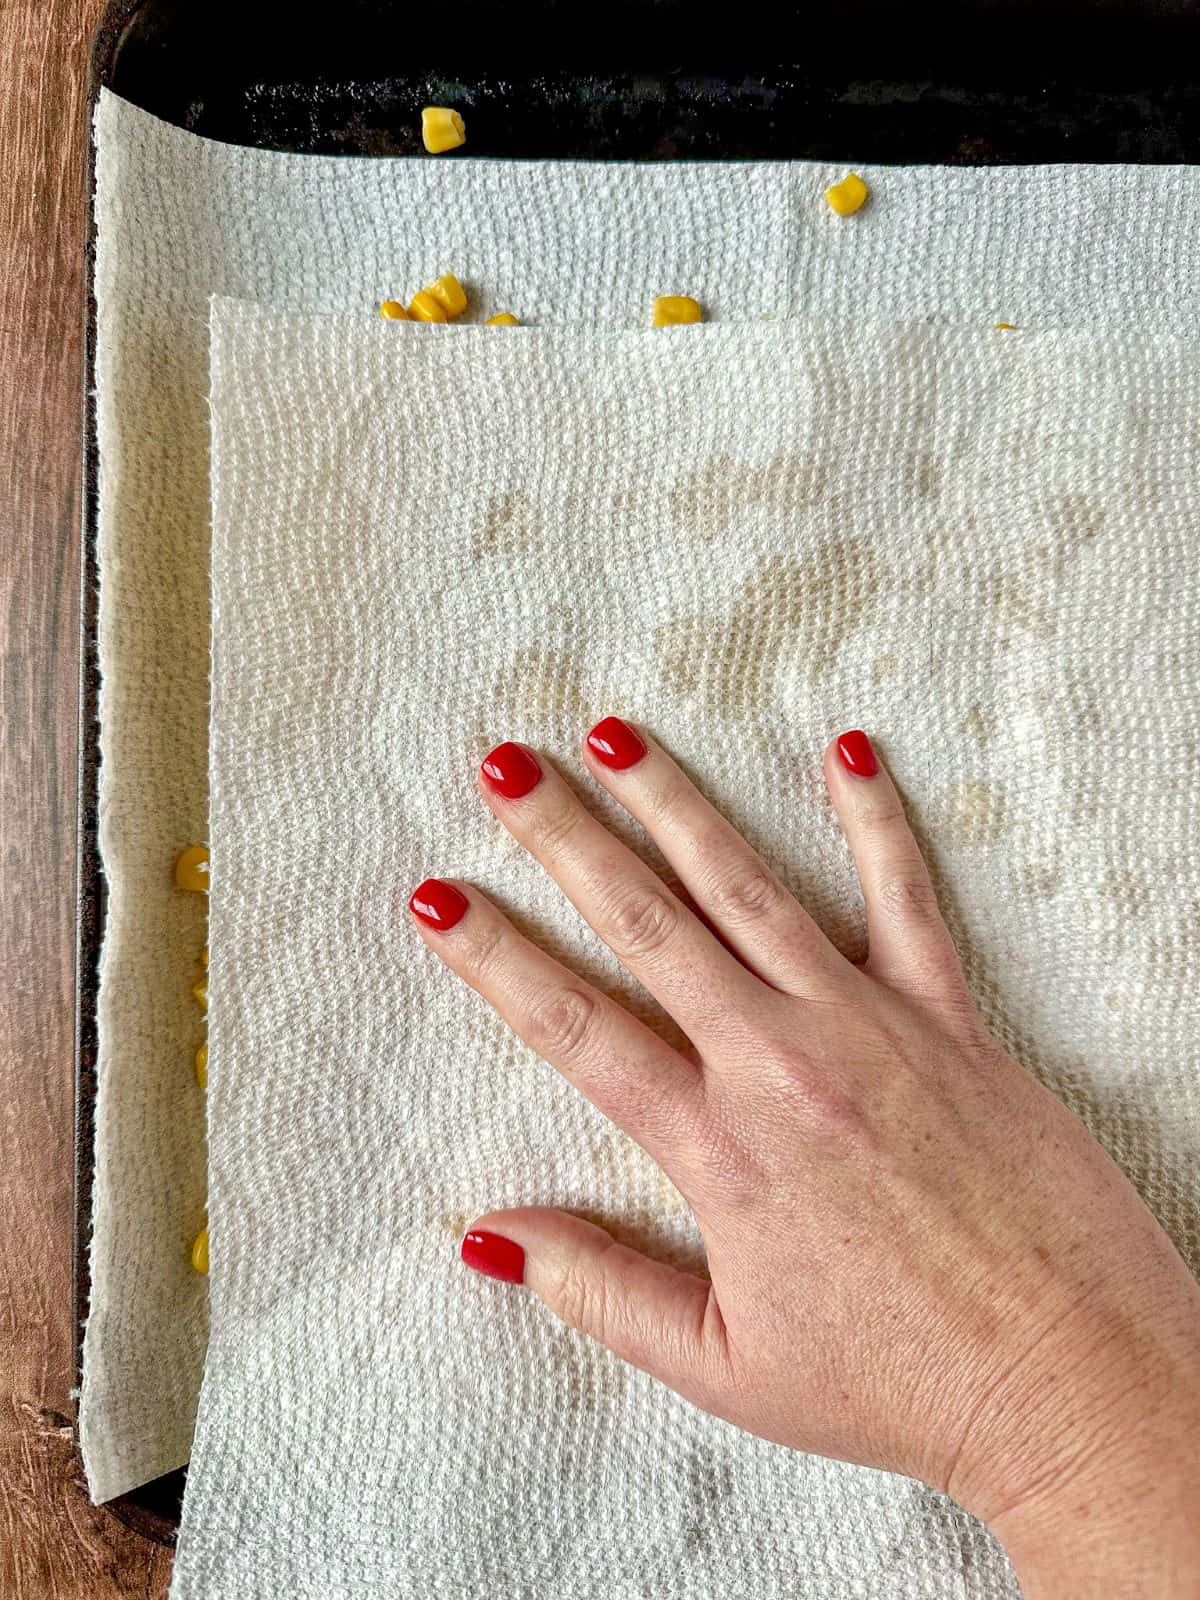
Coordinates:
919	1259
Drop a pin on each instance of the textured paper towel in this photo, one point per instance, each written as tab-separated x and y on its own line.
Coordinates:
978	546
586	244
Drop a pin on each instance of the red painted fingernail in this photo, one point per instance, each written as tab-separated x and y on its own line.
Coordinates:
511	771
616	744
439	904
494	1256
857	755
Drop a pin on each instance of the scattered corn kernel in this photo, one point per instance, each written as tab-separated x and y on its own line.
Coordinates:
200	991
424	308
449	294
502	319
1010	325
442	129
848	196
200	1251
672	310
393	311
202	1066
191	869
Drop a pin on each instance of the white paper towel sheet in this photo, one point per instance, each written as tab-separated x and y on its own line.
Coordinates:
978	546
577	244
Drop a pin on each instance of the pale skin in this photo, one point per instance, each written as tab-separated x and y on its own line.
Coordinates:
918	1258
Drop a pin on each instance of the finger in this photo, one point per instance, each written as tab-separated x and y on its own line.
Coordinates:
731	884
664	1321
649	929
909	945
632	1075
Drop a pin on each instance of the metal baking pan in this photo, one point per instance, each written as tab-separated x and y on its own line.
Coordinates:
976	83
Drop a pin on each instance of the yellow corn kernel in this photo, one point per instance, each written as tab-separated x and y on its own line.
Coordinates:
425	308
393	311
1009	325
202	1066
442	129
200	1251
191	869
848	196
673	310
502	319
200	991
449	294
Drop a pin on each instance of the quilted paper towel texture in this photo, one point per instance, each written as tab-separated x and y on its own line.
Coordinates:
978	547
178	218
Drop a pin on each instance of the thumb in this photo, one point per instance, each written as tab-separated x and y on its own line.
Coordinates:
665	1321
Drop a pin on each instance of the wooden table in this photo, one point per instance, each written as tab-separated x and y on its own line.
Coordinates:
53	1543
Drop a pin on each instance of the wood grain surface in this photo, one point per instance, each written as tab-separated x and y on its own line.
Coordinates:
53	1543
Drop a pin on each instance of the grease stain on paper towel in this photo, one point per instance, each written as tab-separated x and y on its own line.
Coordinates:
792	614
513	526
972	813
1027	593
706	501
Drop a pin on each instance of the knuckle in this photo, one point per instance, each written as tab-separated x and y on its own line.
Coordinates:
663	800
748	892
880	814
581	1297
563	1024
642	922
908	896
824	1103
486	948
552	827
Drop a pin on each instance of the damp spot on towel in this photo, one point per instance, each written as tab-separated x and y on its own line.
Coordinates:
588	1379
884	667
979	724
513	526
1039	880
707	501
709	1491
1027	591
1076	519
924	474
793	615
1125	889
552	688
973	813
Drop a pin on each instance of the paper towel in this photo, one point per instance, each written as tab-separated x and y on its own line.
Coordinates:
577	243
977	545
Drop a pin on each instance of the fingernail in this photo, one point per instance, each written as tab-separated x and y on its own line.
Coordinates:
494	1256
616	744
511	771
857	755
439	904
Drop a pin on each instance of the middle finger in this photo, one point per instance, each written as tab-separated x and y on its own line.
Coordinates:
651	932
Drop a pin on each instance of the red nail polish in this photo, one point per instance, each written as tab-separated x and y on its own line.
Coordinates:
857	755
494	1256
616	744
439	904
511	771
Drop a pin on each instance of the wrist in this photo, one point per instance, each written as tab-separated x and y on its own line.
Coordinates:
1121	1518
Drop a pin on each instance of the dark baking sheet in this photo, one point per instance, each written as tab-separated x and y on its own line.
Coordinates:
975	83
